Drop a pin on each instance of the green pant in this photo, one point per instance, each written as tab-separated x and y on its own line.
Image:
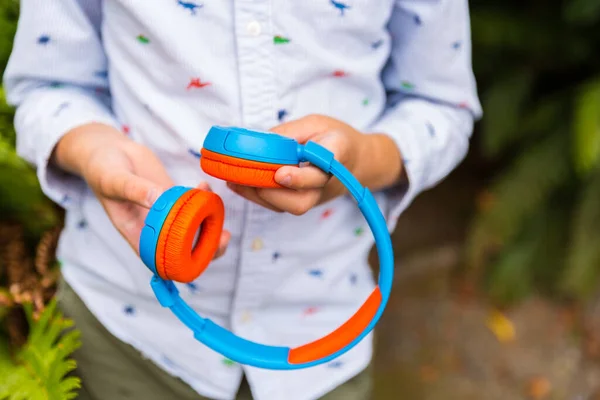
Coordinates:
113	370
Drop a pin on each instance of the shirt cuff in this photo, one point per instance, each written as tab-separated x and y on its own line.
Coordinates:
42	119
433	139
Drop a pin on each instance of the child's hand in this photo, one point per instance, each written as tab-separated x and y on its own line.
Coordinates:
373	159
126	177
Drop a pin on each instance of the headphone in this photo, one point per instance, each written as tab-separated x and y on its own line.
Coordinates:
167	243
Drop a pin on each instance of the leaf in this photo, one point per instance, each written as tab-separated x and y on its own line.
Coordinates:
503	104
501	327
40	368
583	260
586	125
542	116
21	197
538	388
523	188
534	259
585	12
510	278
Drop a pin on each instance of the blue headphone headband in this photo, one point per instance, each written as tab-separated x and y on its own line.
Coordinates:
274	149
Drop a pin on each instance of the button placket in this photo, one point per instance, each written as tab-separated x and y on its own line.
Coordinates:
255	64
258	96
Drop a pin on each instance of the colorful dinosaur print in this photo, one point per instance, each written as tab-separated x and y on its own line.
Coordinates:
168	361
143	39
353	279
43	40
431	129
317	273
82	224
280	40
408	85
102	74
377	44
340	6
129	310
365	102
457	45
125	129
310	311
417	20
335	364
189	5
276	256
196	83
192	286
463	104
61	107
327	213
359	231
281	114
339	73
194	153
228	362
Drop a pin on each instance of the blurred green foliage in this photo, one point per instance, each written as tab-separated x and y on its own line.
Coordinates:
21	199
39	369
538	224
42	366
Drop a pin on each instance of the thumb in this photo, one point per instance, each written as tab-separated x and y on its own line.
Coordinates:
127	186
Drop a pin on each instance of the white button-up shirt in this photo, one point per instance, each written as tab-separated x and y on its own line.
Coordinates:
165	71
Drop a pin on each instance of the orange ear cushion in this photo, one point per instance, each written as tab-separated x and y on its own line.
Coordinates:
240	171
175	258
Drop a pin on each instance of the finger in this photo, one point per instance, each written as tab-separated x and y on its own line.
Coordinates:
126	186
204	186
294	202
312	177
300	178
249	193
302	129
223	243
153	170
128	219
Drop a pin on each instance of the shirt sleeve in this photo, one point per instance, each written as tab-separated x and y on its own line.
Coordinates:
432	94
57	79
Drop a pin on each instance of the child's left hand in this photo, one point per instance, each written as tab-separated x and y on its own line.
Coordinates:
373	159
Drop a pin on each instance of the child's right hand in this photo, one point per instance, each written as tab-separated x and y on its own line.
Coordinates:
125	176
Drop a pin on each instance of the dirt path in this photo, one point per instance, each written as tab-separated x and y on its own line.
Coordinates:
435	344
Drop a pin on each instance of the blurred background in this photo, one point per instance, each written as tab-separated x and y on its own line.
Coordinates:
497	292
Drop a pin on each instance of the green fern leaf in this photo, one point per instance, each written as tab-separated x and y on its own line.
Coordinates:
586	123
40	370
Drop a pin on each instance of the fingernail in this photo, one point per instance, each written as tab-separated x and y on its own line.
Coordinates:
152	196
286	181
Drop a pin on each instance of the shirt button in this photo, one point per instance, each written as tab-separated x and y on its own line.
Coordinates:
254	28
246	317
257	244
